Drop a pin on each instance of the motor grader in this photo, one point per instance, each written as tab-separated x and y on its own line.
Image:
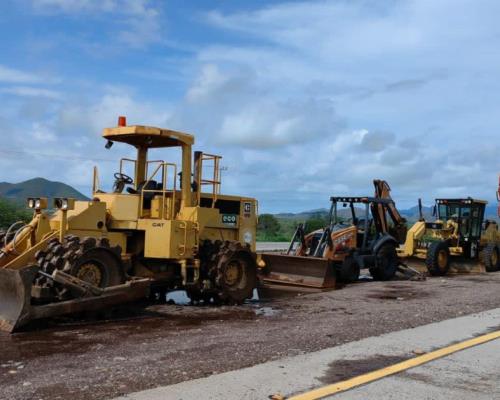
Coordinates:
154	232
460	237
337	252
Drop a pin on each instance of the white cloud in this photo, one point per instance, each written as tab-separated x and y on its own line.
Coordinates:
73	6
412	84
303	99
27	91
232	106
92	116
138	21
11	75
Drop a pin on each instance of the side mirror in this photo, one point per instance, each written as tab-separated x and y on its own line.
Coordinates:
434	210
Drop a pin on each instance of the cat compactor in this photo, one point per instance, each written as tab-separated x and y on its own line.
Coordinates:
157	230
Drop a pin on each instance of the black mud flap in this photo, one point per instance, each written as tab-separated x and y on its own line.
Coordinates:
298	271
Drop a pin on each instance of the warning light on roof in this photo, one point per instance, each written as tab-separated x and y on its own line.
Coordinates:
122	121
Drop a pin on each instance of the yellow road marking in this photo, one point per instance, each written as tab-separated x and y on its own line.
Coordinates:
394	369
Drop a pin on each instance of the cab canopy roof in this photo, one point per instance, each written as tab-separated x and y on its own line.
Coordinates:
466	201
365	200
147	136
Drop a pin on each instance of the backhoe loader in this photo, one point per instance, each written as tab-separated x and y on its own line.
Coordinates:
460	238
154	232
338	252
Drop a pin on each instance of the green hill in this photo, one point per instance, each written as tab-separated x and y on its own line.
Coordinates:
37	187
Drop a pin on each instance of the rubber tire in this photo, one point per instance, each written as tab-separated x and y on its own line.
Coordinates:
387	263
489	251
348	271
432	258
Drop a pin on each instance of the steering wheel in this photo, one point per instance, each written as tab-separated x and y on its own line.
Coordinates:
127	180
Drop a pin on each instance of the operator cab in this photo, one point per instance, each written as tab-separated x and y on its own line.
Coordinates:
467	213
361	218
156	188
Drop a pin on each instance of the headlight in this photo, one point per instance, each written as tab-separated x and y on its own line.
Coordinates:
63	203
38	203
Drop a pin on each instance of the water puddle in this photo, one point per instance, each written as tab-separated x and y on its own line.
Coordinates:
267	312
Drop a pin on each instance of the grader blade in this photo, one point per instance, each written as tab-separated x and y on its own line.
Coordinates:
298	271
16	309
457	266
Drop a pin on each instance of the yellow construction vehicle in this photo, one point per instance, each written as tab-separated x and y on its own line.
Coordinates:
155	232
337	253
460	238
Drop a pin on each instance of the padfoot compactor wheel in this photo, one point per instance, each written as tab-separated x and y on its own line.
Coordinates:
231	271
236	273
89	259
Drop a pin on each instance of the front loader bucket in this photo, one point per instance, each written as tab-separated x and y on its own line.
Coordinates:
15	296
299	271
16	309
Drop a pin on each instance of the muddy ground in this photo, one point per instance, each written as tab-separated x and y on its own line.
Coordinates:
147	346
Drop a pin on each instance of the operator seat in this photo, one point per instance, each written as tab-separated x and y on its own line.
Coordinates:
148	196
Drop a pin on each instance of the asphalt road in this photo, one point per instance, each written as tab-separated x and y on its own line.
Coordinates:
149	346
471	373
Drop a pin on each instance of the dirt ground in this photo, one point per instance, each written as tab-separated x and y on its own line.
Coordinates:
147	346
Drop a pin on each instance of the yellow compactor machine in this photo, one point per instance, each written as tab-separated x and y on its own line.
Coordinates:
154	232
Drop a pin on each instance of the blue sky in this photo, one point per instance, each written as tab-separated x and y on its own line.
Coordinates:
302	99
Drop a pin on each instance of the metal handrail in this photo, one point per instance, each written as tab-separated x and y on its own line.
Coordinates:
215	182
163	166
131	160
152	162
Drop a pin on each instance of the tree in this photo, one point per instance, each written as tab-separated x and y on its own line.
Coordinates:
315	222
10	213
268	226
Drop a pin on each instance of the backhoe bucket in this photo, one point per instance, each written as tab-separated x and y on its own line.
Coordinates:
16	309
298	271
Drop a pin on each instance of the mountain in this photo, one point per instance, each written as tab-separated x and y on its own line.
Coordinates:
37	187
411	214
320	212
